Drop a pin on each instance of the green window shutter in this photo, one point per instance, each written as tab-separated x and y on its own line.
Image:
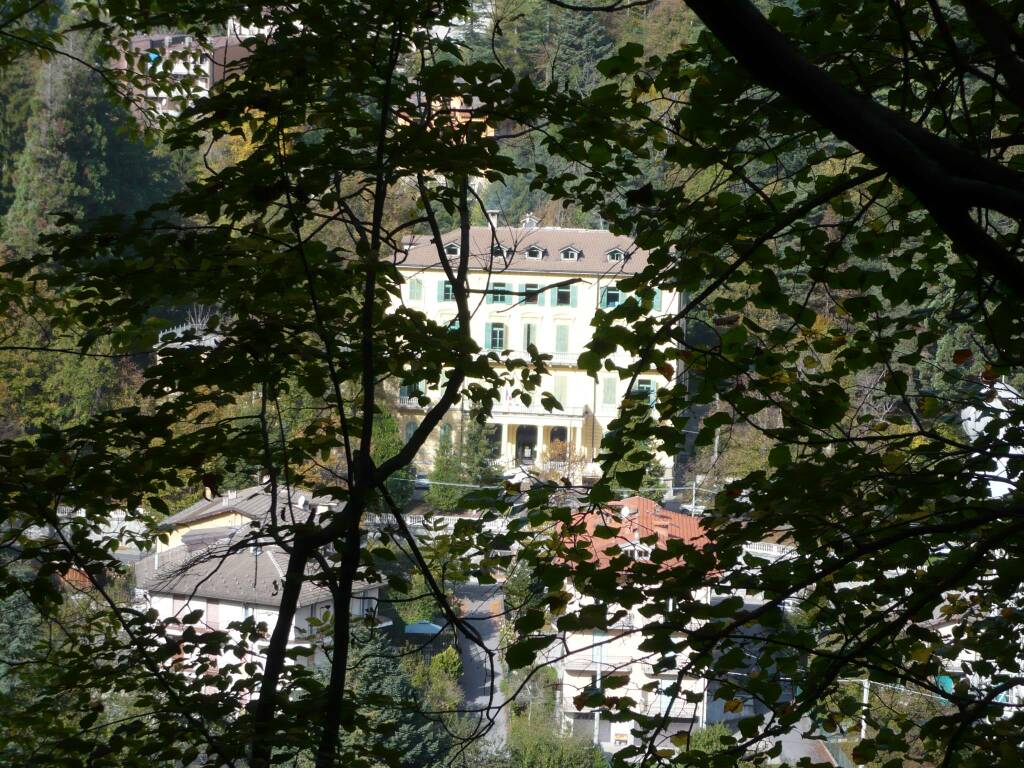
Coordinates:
440	291
487	336
520	290
608	394
603	303
572	295
415	289
490	295
540	297
657	300
561	338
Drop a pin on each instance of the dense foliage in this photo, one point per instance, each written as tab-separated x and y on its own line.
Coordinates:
833	186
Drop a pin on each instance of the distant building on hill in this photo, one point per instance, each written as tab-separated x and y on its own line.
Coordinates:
539	286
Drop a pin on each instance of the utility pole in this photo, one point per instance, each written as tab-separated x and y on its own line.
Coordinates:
865	693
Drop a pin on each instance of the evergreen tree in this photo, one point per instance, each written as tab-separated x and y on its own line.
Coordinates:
394	726
446	477
15	106
79	157
387	441
478	452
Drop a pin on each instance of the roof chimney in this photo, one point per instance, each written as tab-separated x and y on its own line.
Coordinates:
492	218
530	221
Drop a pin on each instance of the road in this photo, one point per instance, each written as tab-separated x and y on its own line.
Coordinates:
482	606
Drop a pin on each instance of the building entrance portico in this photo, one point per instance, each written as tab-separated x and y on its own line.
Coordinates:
526	444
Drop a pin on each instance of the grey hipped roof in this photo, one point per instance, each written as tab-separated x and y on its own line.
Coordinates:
252	502
593	245
221	562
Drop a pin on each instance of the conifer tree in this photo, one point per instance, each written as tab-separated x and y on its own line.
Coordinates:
79	156
386	442
446	477
395	726
15	106
477	452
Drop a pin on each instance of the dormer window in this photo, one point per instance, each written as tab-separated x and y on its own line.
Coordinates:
451	249
616	255
535	252
500	252
570	254
637	551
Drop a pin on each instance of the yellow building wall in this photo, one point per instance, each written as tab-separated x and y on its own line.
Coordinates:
229	518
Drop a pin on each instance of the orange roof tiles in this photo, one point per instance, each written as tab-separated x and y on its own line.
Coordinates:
644	518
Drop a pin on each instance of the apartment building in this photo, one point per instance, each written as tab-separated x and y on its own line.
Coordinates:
541	286
592	658
182	56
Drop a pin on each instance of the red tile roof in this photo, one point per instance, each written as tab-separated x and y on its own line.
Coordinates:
637	518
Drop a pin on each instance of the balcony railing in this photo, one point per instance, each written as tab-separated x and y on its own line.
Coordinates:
570	359
584	661
536	409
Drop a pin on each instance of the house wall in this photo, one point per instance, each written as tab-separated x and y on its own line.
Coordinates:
219	614
595	656
229	518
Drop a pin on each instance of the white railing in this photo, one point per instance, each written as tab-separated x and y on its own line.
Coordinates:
536	409
584	661
768	550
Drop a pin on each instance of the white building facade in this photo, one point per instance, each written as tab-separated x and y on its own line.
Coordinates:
590	659
539	286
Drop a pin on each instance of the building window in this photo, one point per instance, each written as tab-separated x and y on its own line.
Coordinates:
609	391
529	335
563	296
610	297
500	293
530	294
570	254
445	291
410	430
562	338
561	389
500	252
415	290
446	434
616	255
409	391
643	390
495	336
535	252
451	249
